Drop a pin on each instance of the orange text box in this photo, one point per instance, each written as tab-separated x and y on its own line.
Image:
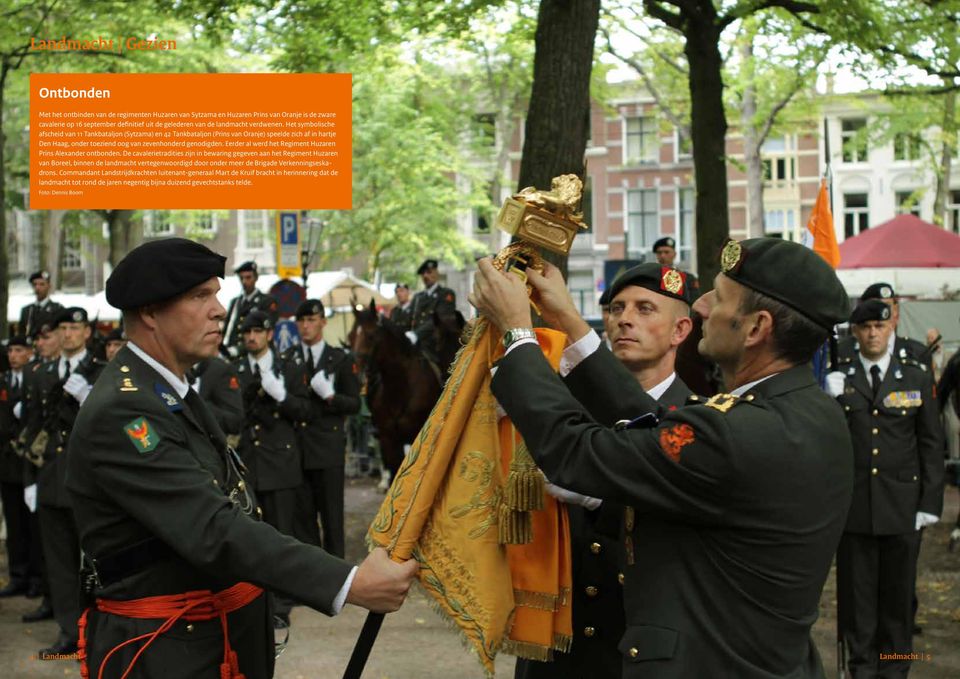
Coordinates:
190	141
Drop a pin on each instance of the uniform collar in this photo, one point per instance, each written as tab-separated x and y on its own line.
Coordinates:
249	298
744	388
656	392
433	288
181	386
883	362
316	351
265	362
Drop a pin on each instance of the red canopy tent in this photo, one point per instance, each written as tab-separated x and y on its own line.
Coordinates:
904	241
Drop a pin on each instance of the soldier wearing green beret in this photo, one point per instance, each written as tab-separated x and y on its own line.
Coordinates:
741	499
898	447
170	529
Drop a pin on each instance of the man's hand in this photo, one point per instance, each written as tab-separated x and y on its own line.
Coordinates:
322	385
835	383
381	584
501	297
77	386
555	303
273	386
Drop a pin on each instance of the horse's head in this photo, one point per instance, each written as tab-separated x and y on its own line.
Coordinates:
365	332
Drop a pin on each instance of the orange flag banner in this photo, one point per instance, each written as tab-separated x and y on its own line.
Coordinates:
464	499
820	230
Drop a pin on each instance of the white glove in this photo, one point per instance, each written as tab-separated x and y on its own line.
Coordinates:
30	497
233	352
273	385
77	386
18	410
924	519
571	498
835	382
322	385
412	336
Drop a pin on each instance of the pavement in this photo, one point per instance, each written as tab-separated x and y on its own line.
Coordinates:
416	642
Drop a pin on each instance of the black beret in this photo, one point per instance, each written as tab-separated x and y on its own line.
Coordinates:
789	273
18	341
605	297
246	266
72	314
427	264
115	335
665	280
878	291
309	307
665	242
43	275
870	310
160	270
402	285
256	319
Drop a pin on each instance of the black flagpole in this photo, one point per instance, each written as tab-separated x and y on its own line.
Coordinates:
361	651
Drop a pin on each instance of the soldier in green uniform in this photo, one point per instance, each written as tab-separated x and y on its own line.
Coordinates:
59	389
401	314
177	558
32	315
649	319
434	299
898	451
113	342
741	500
250	298
218	384
334	394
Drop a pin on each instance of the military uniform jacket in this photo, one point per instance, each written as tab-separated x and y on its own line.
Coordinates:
220	390
897	447
33	314
402	316
147	466
741	503
269	444
11	462
51	412
238	310
442	300
903	347
323	437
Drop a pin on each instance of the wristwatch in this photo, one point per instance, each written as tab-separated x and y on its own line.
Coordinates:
514	334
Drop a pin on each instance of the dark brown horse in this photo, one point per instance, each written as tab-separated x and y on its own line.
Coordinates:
402	384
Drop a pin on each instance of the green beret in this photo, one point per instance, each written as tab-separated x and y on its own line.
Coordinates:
160	270
789	273
665	280
870	310
309	307
72	314
257	319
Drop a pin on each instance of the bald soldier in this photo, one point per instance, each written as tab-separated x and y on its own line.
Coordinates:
741	500
170	530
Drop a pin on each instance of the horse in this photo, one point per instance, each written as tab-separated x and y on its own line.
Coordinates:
402	384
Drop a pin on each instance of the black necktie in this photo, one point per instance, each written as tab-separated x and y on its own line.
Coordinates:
67	373
875	379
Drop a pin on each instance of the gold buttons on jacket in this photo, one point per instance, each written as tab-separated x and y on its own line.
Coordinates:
874	431
256	427
591	590
620	578
190	627
595	547
634	652
876	412
876	451
874	471
589	631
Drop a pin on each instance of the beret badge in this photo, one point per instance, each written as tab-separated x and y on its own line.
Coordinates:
731	256
672	281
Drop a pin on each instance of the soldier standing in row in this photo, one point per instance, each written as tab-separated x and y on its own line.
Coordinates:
32	315
898	345
114	342
665	252
892	414
334	394
23	541
250	298
60	388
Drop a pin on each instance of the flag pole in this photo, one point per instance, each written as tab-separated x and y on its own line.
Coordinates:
361	651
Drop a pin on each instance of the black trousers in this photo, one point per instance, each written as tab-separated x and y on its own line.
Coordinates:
23	540
326	493
61	550
876	577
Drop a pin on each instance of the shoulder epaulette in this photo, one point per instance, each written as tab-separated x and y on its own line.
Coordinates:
909	360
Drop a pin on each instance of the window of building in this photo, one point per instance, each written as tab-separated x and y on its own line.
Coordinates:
205	222
779	162
72	258
686	234
853	135
908	203
643	222
906	146
684	146
780	223
953	211
158	223
642	140
582	291
485	129
856	214
253	228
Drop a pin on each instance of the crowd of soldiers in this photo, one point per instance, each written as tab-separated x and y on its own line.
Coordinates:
285	415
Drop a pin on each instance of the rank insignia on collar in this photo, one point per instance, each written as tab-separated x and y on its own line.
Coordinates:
170	400
673	440
142	435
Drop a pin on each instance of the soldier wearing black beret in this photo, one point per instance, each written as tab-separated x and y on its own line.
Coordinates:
755	476
250	298
58	389
900	345
31	314
163	508
434	299
114	342
898	447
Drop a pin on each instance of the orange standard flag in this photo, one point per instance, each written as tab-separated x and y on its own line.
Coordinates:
820	236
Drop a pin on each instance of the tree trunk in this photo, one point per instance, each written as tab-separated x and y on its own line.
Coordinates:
949	132
708	132
4	261
751	143
123	236
558	119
